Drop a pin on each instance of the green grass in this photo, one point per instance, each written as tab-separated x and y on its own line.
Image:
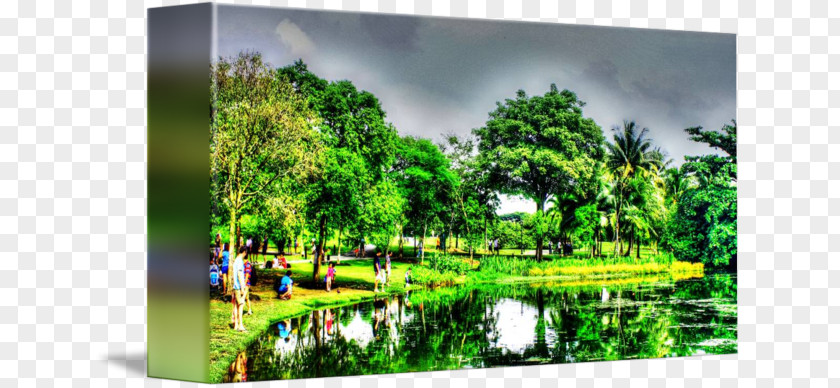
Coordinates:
354	280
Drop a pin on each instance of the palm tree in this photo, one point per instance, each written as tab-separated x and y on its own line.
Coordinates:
630	155
561	211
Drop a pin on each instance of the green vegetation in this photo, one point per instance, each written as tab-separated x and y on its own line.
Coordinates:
303	161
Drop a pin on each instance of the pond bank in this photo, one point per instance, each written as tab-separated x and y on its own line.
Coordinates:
354	284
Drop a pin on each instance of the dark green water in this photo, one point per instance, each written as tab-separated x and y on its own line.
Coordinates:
489	326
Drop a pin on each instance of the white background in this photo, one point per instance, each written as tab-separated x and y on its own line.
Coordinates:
72	194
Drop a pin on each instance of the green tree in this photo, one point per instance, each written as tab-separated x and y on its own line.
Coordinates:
703	224
587	219
261	133
360	146
631	155
539	146
422	173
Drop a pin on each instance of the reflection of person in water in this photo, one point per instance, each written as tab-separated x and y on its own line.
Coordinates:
328	320
284	328
238	371
378	316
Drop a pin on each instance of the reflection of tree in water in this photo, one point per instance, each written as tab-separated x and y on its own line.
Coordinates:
459	327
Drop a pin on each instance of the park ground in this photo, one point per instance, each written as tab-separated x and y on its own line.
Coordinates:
354	283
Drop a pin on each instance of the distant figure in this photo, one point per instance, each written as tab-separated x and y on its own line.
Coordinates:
361	252
496	246
225	268
437	243
378	273
330	276
265	246
407	277
214	274
388	268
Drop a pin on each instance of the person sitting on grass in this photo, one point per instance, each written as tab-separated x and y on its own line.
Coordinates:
330	276
378	273
285	290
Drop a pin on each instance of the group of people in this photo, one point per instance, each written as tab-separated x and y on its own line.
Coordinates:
493	246
233	276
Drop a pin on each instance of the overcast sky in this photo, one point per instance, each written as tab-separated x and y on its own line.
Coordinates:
441	75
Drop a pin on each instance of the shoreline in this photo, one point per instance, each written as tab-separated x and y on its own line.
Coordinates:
225	344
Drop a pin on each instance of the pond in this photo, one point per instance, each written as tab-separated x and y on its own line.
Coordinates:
501	325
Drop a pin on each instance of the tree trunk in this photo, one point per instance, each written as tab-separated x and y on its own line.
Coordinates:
540	206
338	254
231	247
401	241
617	249
486	243
318	257
629	243
638	248
423	242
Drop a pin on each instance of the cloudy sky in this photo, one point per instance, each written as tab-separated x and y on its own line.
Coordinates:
442	75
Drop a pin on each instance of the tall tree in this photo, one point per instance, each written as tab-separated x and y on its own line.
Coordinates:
261	133
539	146
425	180
631	155
354	132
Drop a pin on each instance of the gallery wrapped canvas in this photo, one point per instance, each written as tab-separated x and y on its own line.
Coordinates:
339	194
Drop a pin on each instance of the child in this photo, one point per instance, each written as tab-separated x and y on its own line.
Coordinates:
407	277
214	274
330	276
284	291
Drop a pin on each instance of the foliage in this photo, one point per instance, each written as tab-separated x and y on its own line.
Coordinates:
539	146
703	226
360	148
423	176
261	134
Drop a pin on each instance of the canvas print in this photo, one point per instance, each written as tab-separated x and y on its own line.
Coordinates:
398	194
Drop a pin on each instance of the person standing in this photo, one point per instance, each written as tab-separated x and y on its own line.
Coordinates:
225	268
265	246
247	288
388	268
378	273
330	277
238	288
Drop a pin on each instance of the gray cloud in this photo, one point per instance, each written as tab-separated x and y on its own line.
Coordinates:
439	75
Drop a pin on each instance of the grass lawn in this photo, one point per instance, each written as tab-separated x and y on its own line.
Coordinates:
354	280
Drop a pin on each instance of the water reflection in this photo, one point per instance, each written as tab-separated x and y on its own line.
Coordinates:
453	328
